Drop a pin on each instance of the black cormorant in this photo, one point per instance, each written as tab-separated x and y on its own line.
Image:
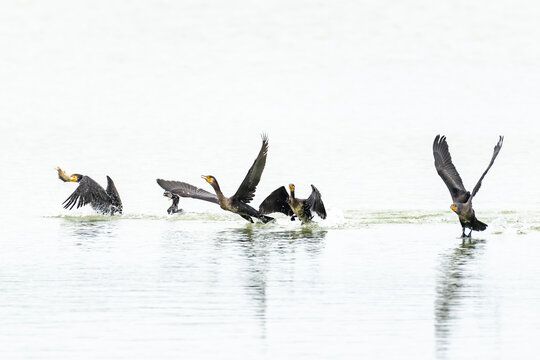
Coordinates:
105	201
238	203
175	189
461	198
280	201
173	209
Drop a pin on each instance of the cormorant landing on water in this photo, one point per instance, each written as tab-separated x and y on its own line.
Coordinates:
238	203
280	201
175	189
105	201
461	198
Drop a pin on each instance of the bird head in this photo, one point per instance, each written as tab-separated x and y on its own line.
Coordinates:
209	179
454	208
168	194
291	187
75	177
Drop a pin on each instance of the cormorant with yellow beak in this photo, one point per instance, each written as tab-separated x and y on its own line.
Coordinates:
461	198
280	201
238	203
105	201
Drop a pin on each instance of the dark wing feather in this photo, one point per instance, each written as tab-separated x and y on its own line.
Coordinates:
246	191
276	202
187	190
315	202
496	150
88	192
447	170
113	195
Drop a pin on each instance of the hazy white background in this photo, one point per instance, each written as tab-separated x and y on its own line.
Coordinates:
351	93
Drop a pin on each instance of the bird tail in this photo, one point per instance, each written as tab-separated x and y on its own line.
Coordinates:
477	225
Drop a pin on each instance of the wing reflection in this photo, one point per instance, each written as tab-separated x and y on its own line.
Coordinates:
85	229
453	283
268	254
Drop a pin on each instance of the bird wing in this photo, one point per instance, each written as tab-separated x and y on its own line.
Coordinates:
246	191
187	190
276	202
496	150
315	202
88	192
113	194
447	171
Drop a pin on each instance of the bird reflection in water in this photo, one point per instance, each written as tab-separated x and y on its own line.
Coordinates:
90	228
453	284
264	251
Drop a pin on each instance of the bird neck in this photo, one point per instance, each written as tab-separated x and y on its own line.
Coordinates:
217	189
292	194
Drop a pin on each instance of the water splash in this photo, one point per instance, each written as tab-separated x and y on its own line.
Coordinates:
499	222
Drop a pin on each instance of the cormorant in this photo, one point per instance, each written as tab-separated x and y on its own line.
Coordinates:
280	201
175	189
461	198
238	203
173	209
90	192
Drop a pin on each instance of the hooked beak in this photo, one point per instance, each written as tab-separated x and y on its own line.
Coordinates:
291	187
207	178
453	208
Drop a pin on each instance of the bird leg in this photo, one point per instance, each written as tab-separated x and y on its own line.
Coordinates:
293	217
470	233
463	233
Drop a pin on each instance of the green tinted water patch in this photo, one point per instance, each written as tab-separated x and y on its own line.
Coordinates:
397	217
85	218
498	222
184	216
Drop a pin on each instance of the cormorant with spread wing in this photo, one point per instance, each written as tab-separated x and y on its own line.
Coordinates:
280	201
461	198
105	201
238	203
175	189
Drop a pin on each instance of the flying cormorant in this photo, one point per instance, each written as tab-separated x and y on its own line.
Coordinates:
175	189
461	198
280	201
90	192
238	203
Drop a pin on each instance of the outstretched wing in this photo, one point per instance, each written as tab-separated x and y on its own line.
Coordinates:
187	190
447	170
315	202
113	195
88	192
246	191
496	150
276	202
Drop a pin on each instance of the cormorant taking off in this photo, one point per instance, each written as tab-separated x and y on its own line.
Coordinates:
238	203
173	209
90	192
280	201
175	189
461	198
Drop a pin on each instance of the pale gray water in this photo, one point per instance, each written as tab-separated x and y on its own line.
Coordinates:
92	287
351	94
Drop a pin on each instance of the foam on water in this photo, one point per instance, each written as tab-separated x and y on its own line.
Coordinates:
498	222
